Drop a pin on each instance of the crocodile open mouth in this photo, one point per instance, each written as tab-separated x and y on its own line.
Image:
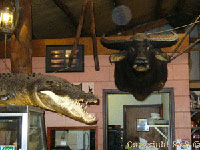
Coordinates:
66	106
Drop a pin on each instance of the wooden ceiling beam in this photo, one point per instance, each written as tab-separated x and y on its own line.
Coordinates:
39	46
61	4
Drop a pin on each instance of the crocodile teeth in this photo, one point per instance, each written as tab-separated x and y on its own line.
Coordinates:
86	106
68	106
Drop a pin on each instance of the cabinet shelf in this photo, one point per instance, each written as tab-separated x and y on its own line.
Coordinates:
198	128
195	110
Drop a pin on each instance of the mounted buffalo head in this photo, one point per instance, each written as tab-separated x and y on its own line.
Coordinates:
140	66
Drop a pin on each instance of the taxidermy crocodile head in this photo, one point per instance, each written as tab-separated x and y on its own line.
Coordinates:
48	92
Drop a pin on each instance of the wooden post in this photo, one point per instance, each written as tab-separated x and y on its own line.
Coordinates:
94	39
78	33
21	44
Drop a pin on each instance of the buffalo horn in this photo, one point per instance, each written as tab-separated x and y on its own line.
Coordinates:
163	42
116	44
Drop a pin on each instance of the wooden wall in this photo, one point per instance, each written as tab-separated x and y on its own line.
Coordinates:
39	46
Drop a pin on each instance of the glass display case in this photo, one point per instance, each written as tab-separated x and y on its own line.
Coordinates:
71	138
22	128
10	134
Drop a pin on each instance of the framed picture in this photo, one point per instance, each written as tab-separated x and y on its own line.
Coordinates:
195	98
142	125
57	58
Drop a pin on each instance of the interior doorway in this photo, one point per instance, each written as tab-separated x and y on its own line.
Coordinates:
135	126
126	119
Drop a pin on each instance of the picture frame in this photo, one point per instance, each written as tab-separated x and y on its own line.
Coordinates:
195	99
142	125
57	58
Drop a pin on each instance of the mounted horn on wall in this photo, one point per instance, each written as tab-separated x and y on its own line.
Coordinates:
140	64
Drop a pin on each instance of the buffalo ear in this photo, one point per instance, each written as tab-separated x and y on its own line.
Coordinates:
116	58
162	57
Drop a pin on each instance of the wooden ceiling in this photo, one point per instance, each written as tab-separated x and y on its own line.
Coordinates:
56	19
53	19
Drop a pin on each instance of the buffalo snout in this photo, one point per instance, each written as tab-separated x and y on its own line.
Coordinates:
141	64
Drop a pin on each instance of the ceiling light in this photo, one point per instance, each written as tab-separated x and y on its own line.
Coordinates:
7	21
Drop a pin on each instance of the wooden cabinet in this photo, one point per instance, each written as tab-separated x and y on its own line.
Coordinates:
195	118
195	128
71	138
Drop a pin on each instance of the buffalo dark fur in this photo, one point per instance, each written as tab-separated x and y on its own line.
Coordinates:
140	84
140	66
